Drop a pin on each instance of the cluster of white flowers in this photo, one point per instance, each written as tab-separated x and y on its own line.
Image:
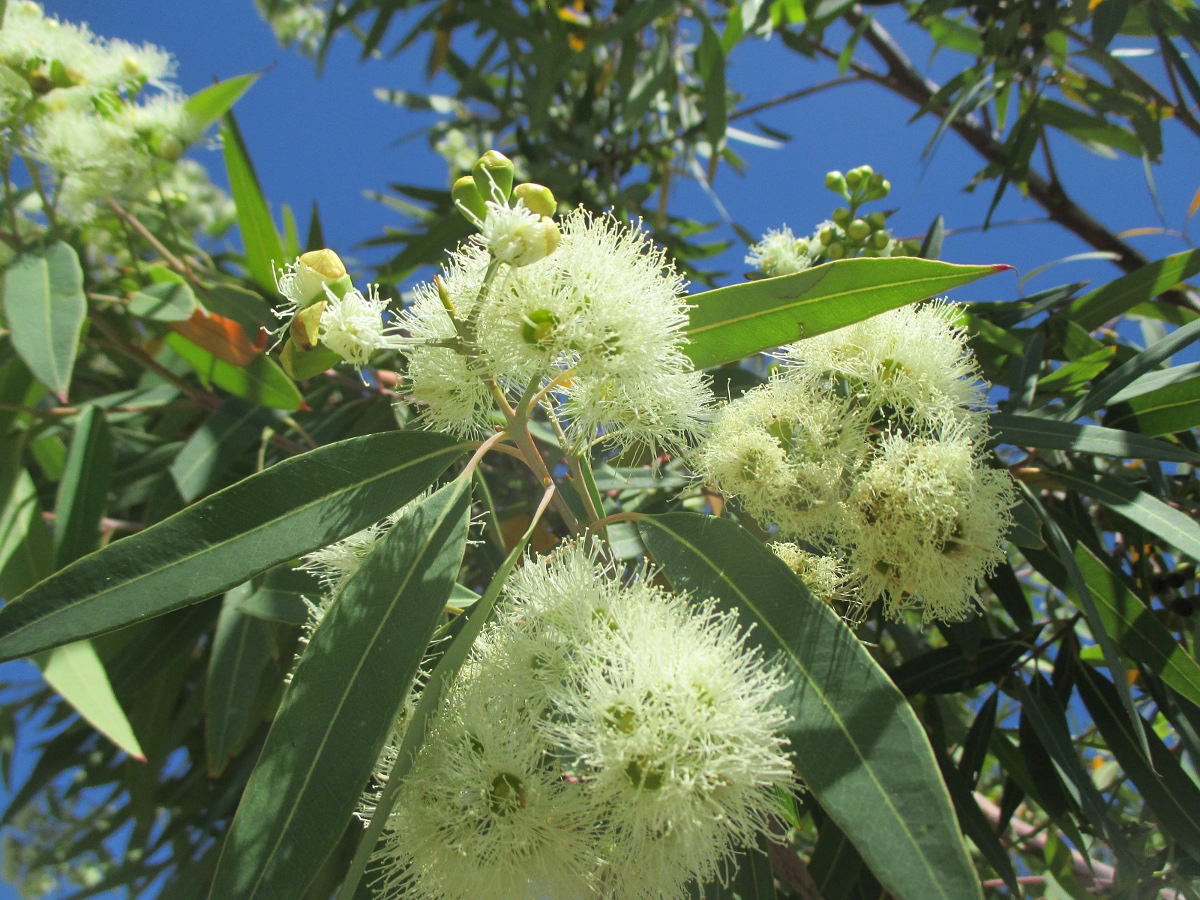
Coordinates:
78	104
598	311
868	447
780	252
603	739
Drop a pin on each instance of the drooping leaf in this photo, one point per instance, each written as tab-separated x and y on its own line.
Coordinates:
1175	527
731	323
1035	431
287	510
440	680
242	647
83	490
1170	794
342	702
856	741
45	306
233	428
1132	625
1169	410
76	672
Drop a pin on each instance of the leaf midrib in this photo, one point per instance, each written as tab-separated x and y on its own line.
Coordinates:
209	548
433	532
824	701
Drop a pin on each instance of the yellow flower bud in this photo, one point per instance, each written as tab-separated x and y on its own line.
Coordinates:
537	198
306	326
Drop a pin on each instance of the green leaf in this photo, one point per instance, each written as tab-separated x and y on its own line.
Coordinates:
262	381
245	307
1129	372
734	322
1168	410
345	693
83	491
1176	528
1094	309
1034	431
75	671
440	680
710	65
1171	796
234	427
289	509
259	237
206	106
1107	19
952	670
1071	377
242	648
164	302
1040	706
1134	627
20	506
856	741
45	306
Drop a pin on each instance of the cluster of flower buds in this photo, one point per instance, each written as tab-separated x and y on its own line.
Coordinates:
849	233
516	223
328	319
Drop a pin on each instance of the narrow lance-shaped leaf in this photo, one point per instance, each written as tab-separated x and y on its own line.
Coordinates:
76	672
45	306
1035	431
1133	625
83	490
291	508
1107	302
259	237
857	743
734	322
1171	795
242	647
440	680
262	381
345	693
1176	528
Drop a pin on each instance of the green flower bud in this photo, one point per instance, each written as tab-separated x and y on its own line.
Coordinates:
880	240
538	326
306	326
858	230
877	220
836	250
801	246
841	216
865	172
875	182
853	177
537	198
836	182
170	147
493	171
826	235
878	193
467	198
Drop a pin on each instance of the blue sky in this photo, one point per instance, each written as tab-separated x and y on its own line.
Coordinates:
327	139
